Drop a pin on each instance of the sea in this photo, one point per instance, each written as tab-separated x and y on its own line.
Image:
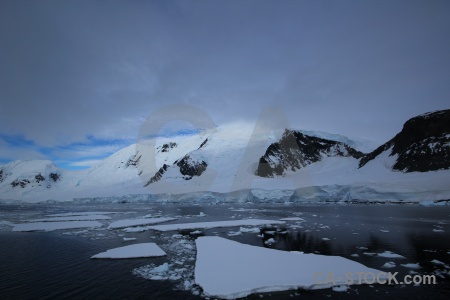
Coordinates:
58	264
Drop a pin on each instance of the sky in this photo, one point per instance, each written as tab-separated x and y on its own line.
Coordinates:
79	78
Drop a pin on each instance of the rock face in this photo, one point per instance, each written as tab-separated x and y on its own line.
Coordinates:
296	150
167	147
190	167
423	144
158	174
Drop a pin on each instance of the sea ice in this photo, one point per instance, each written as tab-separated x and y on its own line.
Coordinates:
437	262
389	254
206	225
389	264
132	251
49	226
238	270
83	213
72	218
411	266
292	219
137	222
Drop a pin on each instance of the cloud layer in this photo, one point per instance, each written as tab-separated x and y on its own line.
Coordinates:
78	69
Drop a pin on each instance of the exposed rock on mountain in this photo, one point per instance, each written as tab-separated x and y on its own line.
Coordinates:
423	144
190	167
158	174
296	150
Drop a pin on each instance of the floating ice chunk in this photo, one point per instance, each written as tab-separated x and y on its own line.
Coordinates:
138	222
354	255
292	219
389	254
216	224
129	239
340	288
369	253
389	264
202	214
232	233
411	266
437	262
49	226
438	230
252	229
362	248
325	239
384	230
135	229
270	241
72	218
237	270
196	232
132	251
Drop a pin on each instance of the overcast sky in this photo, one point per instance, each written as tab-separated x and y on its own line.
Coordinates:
78	78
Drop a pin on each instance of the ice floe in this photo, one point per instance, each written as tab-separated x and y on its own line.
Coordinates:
84	213
138	222
389	254
238	270
292	219
216	224
389	264
72	218
49	226
132	251
412	266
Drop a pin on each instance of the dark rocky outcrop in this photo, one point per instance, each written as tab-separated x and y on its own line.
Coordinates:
133	161
167	147
190	167
296	150
423	144
54	176
22	183
39	178
158	174
203	143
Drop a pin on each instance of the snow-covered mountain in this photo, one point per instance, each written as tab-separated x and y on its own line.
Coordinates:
423	144
239	162
296	150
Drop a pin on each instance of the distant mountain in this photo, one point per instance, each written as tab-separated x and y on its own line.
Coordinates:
302	164
423	144
296	150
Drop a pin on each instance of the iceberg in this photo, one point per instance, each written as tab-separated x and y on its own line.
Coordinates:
227	269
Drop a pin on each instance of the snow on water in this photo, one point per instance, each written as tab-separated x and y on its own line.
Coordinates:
217	224
49	226
72	218
238	270
132	251
138	222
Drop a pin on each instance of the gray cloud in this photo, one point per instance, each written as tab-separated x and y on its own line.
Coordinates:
76	68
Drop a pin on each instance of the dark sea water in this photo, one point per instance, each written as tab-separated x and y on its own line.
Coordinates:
57	265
